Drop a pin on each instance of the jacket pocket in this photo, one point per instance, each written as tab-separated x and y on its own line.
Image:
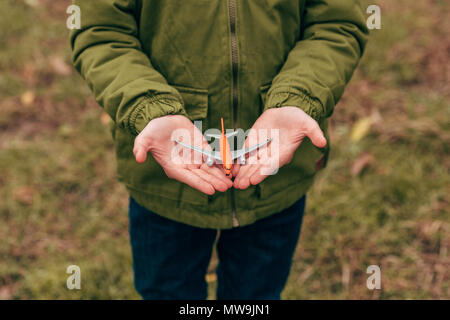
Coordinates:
195	101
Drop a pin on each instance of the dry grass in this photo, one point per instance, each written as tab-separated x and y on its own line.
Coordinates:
382	200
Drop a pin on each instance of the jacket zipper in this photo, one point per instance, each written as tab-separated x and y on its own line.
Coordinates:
234	56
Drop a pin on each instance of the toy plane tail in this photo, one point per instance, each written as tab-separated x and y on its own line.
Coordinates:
217	136
230	134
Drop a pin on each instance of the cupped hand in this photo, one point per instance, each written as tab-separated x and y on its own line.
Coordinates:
158	139
291	126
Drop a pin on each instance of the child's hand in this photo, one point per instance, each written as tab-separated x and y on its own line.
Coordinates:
294	125
157	138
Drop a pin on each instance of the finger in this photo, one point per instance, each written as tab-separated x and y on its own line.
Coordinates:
235	170
140	150
315	134
267	162
262	173
243	174
217	183
252	138
262	156
192	180
244	182
268	168
218	173
257	178
221	170
242	171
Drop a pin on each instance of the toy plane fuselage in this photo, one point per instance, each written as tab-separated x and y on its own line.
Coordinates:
225	155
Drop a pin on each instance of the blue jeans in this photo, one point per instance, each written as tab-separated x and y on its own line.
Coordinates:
170	259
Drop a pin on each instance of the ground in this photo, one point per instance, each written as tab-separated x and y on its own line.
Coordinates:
383	199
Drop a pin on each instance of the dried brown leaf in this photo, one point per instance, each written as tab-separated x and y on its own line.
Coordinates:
362	162
27	98
59	66
24	195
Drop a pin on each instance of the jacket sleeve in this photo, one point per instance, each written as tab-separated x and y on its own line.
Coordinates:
108	54
322	62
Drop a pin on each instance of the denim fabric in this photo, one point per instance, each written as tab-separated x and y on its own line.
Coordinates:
170	259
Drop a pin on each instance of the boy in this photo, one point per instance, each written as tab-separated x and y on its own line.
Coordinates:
157	65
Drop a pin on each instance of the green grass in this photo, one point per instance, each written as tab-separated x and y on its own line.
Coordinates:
62	205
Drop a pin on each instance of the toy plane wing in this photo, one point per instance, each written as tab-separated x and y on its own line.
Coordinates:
242	152
210	154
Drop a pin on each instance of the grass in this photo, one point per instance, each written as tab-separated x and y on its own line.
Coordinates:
383	199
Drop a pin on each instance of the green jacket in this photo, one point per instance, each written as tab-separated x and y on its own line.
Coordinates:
207	59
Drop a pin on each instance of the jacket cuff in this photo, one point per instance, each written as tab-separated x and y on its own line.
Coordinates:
295	98
152	107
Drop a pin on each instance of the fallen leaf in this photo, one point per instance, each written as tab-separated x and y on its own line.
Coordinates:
32	3
24	195
65	130
360	129
362	162
27	98
59	66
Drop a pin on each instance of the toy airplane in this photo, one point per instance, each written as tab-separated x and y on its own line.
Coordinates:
225	155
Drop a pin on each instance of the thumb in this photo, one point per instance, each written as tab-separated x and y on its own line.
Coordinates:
316	135
140	150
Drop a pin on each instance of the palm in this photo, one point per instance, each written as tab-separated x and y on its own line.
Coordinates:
178	163
288	126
